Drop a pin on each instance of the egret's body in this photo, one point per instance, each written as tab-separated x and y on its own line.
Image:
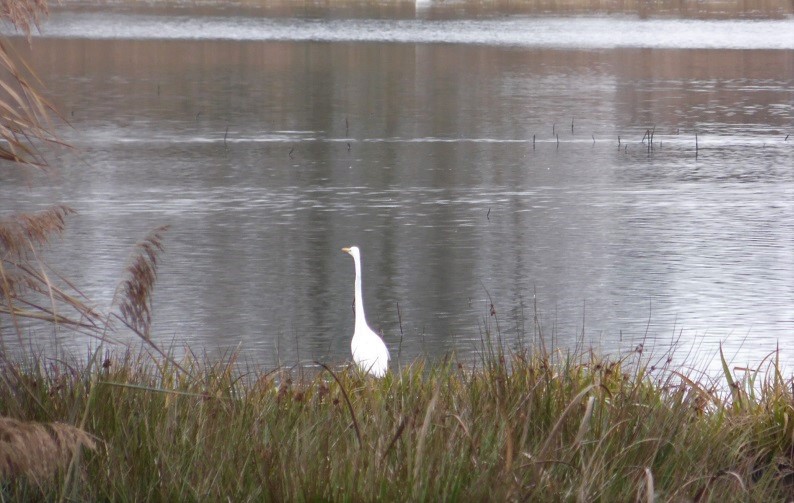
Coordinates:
369	351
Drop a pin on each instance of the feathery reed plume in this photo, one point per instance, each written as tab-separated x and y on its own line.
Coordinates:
136	300
20	233
38	451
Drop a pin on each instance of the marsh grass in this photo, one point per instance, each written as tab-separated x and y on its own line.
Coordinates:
523	427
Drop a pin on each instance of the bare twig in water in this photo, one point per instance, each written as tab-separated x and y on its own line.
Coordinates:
696	145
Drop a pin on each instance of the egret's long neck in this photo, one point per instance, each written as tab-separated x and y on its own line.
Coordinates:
361	320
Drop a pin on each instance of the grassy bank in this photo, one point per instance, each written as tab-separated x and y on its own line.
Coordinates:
543	427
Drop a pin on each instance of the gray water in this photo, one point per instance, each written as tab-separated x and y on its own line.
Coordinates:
474	162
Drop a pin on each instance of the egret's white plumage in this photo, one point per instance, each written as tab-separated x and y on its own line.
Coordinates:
369	351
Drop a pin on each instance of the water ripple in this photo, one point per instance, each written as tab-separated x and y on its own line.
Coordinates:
598	32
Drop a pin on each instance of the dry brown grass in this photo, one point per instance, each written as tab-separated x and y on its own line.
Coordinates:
21	233
24	112
38	451
28	288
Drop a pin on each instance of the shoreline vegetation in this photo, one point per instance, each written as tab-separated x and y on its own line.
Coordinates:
527	425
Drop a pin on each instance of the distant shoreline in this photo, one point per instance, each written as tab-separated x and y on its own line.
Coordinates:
457	9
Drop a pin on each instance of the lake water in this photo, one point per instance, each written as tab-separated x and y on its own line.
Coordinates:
474	161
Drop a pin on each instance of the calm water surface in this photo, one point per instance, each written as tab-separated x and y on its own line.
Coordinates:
472	161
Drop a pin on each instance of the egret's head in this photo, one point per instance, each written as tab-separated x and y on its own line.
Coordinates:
352	250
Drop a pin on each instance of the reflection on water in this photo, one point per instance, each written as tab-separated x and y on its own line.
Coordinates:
589	32
465	172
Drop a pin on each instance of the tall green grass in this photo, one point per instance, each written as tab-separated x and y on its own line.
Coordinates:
524	427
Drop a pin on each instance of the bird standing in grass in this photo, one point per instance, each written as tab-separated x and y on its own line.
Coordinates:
369	351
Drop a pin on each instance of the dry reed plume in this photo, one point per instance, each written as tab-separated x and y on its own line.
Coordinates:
38	451
19	233
136	299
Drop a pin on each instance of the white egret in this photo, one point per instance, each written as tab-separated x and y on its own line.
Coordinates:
369	351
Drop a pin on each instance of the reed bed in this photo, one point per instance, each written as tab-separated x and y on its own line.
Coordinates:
522	426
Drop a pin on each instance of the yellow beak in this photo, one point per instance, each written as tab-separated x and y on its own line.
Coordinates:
346	250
